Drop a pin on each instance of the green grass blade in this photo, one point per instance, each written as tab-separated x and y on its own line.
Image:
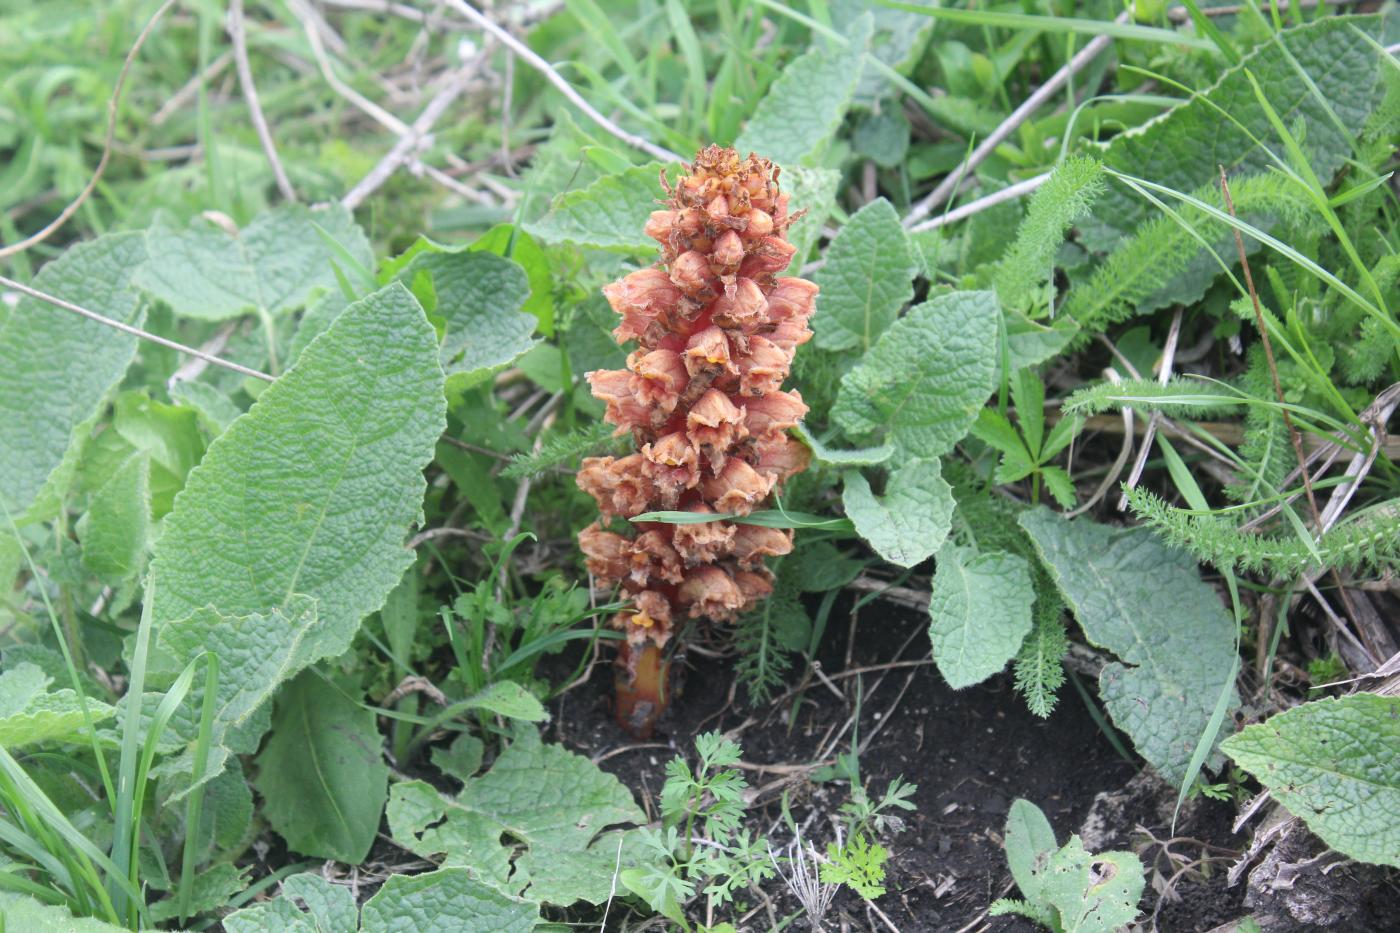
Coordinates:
1087	27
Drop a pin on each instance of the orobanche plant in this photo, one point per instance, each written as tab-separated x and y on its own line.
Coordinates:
716	330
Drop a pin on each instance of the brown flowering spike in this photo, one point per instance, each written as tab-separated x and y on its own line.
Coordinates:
716	327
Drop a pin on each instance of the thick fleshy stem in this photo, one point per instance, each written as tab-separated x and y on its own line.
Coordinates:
716	329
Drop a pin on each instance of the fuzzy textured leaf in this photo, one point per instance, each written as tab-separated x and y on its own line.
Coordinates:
926	378
551	800
30	713
479	297
1094	893
22	912
868	277
979	613
274	265
812	190
1147	604
56	368
911	520
1183	149
313	490
608	214
1336	764
329	908
448	900
322	772
832	456
1030	841
806	104
117	522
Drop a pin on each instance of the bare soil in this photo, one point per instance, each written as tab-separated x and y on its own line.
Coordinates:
971	753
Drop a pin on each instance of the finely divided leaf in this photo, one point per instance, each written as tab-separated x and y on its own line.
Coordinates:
313	490
322	774
56	368
1336	764
274	265
979	613
608	214
867	278
806	104
1146	603
911	520
925	380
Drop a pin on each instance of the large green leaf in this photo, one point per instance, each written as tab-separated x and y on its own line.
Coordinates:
478	297
806	104
1304	71
322	772
449	900
868	277
899	37
813	191
313	490
117	522
328	908
979	613
275	264
910	521
256	653
20	912
56	368
608	214
1336	764
30	713
926	378
1147	604
551	800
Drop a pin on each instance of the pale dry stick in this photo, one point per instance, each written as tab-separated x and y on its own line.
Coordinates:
133	331
213	346
113	103
1124	452
417	167
237	33
409	140
1030	105
553	77
1164	375
190	88
1180	15
364	104
402	10
1009	193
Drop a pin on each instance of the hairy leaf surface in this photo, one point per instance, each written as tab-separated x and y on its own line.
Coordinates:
1336	764
56	368
867	278
979	613
1147	604
312	491
923	382
910	521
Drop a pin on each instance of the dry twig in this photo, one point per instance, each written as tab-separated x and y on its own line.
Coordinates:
238	35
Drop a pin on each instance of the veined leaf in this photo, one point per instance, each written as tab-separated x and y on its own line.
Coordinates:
115	527
22	912
868	277
30	713
274	265
449	900
979	613
313	490
812	190
478	297
608	214
1146	603
1183	149
910	521
57	368
552	800
926	378
831	456
328	907
1336	764
322	772
806	104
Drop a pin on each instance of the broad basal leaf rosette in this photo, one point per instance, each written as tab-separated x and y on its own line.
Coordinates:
716	327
